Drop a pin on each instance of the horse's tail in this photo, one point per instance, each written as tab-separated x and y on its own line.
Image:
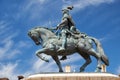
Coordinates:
101	51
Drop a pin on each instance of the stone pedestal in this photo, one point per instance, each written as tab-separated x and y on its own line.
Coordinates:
73	76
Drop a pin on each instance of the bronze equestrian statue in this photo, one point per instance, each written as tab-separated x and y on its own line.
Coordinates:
70	42
80	43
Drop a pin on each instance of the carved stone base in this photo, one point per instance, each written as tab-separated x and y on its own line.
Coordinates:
73	76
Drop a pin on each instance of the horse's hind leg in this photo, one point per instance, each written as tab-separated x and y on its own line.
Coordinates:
58	62
88	61
98	57
98	69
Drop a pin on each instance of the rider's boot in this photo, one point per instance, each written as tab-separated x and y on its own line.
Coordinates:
62	49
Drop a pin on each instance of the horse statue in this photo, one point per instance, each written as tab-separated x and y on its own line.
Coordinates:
81	43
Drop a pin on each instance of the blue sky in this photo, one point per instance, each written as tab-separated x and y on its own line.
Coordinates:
97	18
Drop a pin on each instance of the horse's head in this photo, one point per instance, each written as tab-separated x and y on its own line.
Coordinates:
34	35
40	33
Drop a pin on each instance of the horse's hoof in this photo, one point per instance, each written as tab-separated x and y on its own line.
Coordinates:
60	70
98	70
82	70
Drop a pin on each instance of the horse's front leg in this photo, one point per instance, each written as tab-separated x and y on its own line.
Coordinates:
39	54
56	59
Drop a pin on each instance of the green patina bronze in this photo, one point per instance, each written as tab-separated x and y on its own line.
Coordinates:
70	41
80	43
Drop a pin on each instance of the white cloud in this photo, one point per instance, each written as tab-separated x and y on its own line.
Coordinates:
36	11
29	4
2	25
72	61
51	23
81	4
8	47
118	70
109	36
31	9
6	42
24	44
5	49
9	71
41	66
72	58
41	1
4	28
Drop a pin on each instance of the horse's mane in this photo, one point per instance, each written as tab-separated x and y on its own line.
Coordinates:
44	28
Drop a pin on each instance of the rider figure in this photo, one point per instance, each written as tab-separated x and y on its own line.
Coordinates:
67	25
